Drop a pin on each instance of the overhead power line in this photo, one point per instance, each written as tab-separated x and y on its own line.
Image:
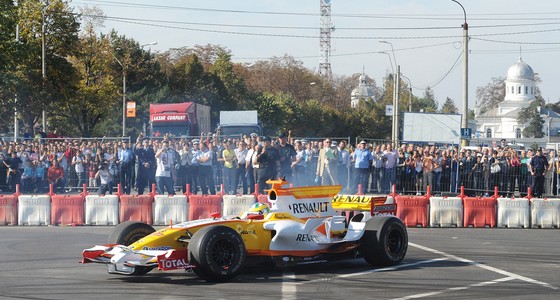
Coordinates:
516	42
416	16
438	81
355	53
116	18
125	20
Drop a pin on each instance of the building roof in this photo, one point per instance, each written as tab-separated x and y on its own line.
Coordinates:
363	90
550	113
494	113
520	71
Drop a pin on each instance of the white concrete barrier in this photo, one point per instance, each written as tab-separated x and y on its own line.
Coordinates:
170	209
513	212
545	213
446	212
236	204
102	210
34	210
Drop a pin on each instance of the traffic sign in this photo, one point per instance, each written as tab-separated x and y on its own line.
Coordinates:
466	133
389	110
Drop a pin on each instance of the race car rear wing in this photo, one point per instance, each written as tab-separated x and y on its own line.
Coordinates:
376	205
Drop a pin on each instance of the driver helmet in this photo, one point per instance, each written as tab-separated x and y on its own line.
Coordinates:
259	208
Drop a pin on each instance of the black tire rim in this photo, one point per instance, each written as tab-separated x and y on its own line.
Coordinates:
223	254
394	242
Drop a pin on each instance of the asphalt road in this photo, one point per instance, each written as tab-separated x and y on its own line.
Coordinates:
442	263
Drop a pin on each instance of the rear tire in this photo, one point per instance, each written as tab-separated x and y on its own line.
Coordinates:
217	252
127	233
385	241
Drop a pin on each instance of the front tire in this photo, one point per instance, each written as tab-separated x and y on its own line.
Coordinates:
217	252
385	241
129	232
126	233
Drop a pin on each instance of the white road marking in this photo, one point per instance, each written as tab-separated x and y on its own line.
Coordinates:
373	271
486	267
289	288
460	288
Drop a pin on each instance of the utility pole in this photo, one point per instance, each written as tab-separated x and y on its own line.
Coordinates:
464	119
124	102
44	6
16	124
396	108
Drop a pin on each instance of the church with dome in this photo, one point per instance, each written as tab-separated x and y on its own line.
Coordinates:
501	122
362	91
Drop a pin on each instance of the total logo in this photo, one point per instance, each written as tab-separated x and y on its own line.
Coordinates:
179	263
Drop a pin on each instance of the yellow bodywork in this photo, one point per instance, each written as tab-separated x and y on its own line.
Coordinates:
356	202
255	237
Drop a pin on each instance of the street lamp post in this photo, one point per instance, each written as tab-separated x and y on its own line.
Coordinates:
124	87
390	61
43	62
464	121
396	79
392	50
44	6
16	125
123	101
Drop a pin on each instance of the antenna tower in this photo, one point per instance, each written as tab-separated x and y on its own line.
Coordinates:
325	39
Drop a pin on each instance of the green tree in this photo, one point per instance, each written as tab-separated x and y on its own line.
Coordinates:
8	60
95	91
287	75
235	87
471	114
427	103
342	87
61	37
406	97
490	95
145	83
449	107
269	110
532	118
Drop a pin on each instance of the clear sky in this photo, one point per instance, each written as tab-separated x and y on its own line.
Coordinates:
426	35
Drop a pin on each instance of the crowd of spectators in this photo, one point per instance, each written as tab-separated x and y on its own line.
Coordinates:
412	168
240	164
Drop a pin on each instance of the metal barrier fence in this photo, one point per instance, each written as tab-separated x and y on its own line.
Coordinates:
442	167
95	156
445	169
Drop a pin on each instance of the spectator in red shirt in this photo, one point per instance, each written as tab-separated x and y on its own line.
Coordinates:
55	176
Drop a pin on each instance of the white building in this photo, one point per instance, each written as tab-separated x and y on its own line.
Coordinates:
362	91
501	122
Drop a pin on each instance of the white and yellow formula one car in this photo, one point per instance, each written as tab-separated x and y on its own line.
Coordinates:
300	226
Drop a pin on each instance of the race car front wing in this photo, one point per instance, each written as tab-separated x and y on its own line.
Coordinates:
123	260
